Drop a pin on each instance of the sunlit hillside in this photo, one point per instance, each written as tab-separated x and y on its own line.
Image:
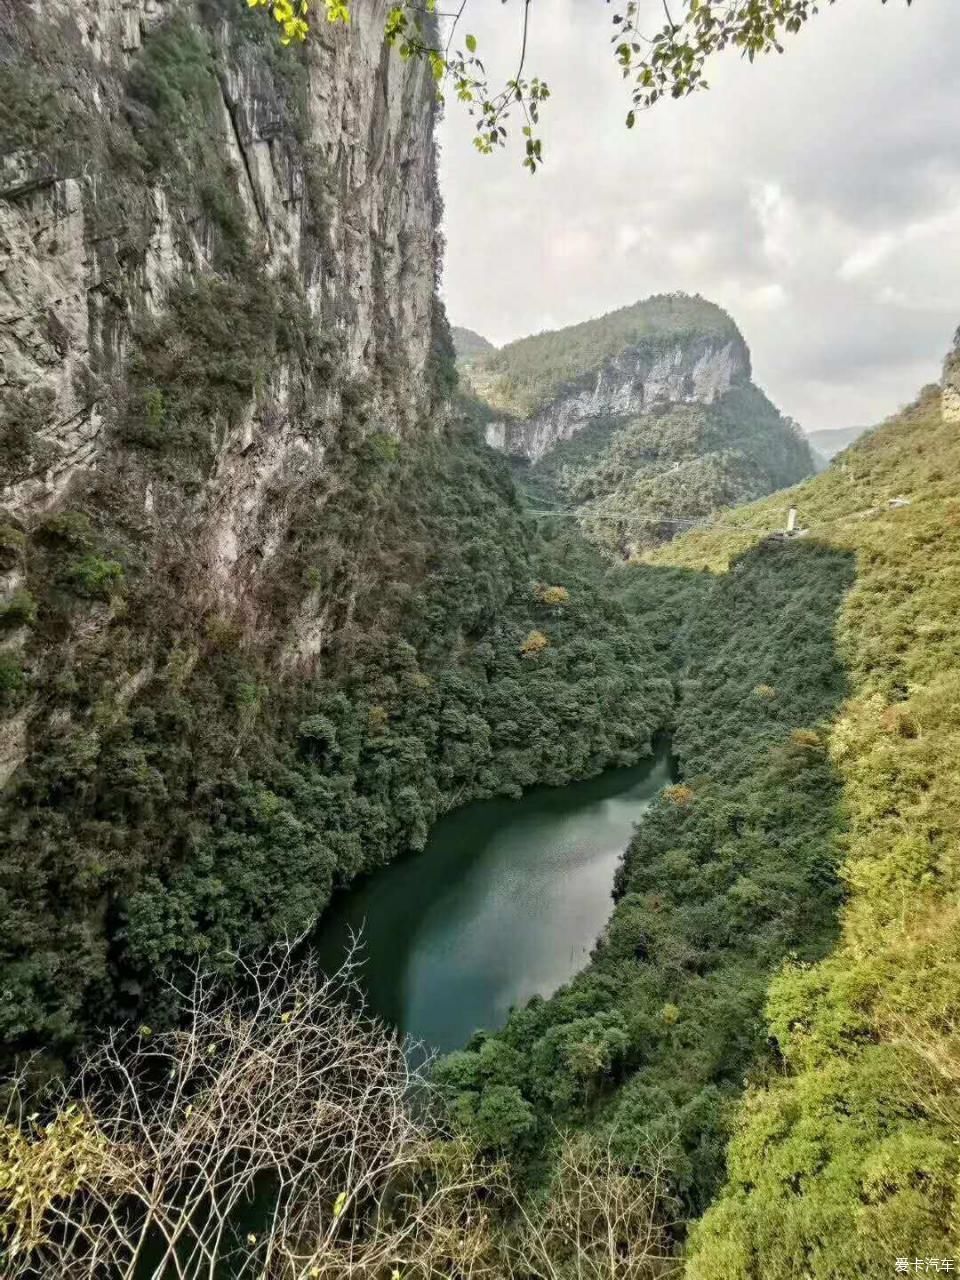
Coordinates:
783	964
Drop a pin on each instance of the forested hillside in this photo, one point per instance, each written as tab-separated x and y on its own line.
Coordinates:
528	374
637	482
268	605
781	971
639	423
469	346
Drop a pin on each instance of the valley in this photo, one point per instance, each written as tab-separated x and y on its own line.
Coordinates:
321	619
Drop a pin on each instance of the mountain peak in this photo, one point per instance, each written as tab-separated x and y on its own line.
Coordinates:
642	420
469	345
526	375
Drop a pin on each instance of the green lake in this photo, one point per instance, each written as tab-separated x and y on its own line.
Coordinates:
505	902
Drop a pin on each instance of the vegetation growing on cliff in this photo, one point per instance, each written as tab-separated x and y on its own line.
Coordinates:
204	763
219	800
817	739
525	375
640	481
815	729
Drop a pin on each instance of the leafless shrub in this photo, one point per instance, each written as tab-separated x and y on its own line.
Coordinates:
598	1221
279	1134
276	1135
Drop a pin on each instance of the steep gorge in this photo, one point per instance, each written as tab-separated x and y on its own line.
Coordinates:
267	603
270	606
769	1020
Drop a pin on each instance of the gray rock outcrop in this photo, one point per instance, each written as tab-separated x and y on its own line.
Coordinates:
950	396
697	370
106	212
71	287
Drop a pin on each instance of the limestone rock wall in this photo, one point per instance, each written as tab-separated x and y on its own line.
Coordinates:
628	384
70	287
951	383
325	188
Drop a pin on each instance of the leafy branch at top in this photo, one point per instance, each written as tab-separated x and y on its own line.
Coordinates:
669	62
293	16
457	70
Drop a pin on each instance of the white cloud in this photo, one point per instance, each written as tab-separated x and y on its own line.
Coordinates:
571	246
816	196
874	251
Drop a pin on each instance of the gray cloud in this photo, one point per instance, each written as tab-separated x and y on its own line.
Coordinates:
816	196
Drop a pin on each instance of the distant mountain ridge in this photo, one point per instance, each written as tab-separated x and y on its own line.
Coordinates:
833	441
468	344
641	420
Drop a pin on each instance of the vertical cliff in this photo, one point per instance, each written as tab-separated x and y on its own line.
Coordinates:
207	244
951	382
263	598
218	262
150	142
689	369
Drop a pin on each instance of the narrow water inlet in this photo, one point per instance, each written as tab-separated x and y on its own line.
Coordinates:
505	902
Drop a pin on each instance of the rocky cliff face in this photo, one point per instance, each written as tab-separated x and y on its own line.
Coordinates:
950	398
218	265
632	382
107	202
640	423
211	249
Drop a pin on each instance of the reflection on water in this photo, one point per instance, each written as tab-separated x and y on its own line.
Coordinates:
505	902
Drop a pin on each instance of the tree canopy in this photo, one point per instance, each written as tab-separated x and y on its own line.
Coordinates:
666	61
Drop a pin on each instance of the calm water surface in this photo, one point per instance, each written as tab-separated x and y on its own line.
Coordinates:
505	902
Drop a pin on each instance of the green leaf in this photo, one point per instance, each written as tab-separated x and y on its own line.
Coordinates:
472	43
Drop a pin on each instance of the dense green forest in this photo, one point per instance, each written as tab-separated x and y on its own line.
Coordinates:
525	375
733	871
768	1020
638	481
783	923
192	782
221	801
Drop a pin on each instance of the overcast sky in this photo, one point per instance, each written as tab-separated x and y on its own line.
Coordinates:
815	195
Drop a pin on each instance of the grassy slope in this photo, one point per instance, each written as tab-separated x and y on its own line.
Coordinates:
785	918
846	1157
